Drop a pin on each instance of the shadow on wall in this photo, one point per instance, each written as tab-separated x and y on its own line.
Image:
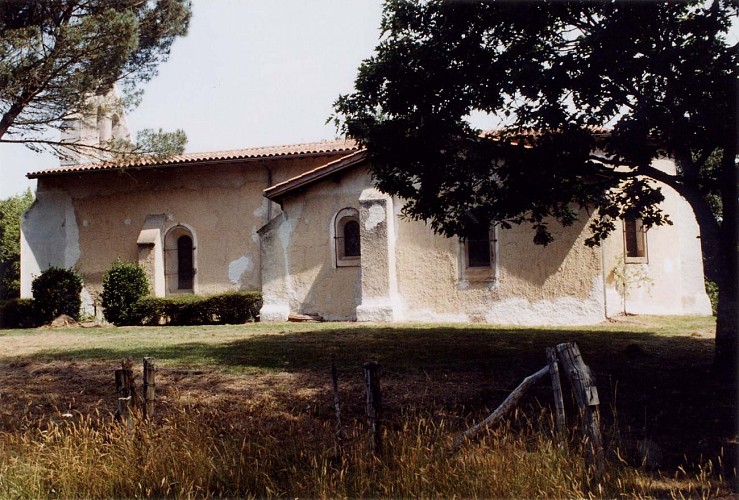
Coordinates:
334	293
532	263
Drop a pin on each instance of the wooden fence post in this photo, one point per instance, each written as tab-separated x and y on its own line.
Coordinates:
149	387
374	404
559	406
337	407
586	395
125	391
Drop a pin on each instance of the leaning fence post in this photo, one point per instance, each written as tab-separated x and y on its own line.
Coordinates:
374	404
586	395
559	406
149	387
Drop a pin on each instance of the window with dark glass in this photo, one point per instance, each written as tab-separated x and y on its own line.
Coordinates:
478	247
351	239
184	263
635	241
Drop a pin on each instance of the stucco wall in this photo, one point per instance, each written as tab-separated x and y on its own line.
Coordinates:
671	281
409	273
89	220
560	284
557	284
298	254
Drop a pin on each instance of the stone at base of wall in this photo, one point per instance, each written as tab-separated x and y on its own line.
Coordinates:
376	312
274	312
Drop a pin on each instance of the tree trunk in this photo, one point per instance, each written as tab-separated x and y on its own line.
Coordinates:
727	321
719	249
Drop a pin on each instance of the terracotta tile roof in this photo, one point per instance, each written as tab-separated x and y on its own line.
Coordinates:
312	176
268	152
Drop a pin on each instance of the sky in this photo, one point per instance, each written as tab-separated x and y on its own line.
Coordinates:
249	73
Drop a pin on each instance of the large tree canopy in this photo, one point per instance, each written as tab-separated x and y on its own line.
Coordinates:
587	95
55	54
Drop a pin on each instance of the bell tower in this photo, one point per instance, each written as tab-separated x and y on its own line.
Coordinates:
102	120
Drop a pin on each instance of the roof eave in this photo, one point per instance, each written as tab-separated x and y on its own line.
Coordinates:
279	191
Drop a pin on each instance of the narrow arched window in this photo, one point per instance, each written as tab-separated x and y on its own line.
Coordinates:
180	260
184	263
347	241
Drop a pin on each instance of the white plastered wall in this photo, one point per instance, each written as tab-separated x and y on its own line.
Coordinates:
671	281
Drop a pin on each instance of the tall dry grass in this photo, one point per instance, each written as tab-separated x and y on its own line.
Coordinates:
197	453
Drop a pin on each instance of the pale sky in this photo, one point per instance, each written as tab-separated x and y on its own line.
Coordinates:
249	73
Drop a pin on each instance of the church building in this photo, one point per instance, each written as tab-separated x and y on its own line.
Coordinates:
305	225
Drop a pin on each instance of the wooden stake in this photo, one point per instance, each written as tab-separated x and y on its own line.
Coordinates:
337	407
559	406
149	387
374	404
510	402
586	395
125	391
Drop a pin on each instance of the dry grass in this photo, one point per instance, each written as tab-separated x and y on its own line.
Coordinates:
196	453
245	411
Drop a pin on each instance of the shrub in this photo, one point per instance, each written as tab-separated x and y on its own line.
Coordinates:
227	308
123	285
712	291
57	291
19	313
236	307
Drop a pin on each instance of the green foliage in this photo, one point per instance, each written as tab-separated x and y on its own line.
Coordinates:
585	97
123	285
712	292
11	210
660	75
227	308
57	291
626	277
160	143
19	313
54	55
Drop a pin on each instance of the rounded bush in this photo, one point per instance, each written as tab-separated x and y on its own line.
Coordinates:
57	291
123	285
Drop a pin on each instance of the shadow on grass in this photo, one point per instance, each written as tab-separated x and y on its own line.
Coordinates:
651	386
411	350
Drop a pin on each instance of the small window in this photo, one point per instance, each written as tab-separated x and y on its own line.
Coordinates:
346	240
635	241
479	255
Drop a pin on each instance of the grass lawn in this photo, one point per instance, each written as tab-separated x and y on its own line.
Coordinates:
654	376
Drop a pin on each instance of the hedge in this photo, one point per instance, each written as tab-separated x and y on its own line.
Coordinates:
19	313
227	308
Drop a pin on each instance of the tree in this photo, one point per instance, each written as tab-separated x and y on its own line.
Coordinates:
587	95
11	210
56	54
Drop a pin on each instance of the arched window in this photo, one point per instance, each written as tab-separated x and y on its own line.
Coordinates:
104	126
179	260
115	131
346	240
